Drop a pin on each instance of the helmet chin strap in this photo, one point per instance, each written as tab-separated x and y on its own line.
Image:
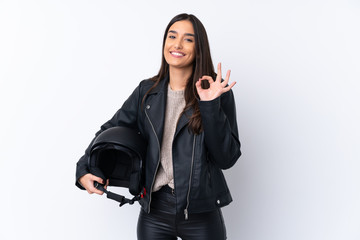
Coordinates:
117	197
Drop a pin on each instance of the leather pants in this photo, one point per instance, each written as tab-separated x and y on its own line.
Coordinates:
163	223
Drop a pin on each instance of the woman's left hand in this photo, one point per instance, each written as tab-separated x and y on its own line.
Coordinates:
216	87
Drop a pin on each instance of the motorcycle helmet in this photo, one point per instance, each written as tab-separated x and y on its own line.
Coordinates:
117	154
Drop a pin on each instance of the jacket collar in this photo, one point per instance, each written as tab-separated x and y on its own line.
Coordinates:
157	100
161	87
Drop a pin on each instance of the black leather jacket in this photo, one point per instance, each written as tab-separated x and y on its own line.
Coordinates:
200	185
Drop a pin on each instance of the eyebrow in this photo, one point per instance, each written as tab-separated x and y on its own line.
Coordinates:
186	34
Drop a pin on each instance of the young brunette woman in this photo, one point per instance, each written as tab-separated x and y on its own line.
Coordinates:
187	115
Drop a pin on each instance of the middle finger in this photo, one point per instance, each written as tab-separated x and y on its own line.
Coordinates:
218	76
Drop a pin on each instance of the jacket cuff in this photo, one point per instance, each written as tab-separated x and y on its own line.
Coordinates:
79	174
209	105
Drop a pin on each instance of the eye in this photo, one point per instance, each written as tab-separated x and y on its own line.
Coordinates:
171	36
189	40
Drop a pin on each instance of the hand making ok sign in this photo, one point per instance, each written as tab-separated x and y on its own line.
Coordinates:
216	87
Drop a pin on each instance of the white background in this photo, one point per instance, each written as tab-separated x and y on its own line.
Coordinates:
67	66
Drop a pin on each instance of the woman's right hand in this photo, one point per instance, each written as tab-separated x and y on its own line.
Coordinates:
87	181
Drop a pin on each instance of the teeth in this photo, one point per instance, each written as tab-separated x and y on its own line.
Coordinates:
177	54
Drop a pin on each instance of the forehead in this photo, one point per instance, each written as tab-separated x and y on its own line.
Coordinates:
182	27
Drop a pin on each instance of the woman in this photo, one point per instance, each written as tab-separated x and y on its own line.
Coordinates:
187	115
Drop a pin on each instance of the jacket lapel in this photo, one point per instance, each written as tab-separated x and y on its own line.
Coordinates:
156	107
155	104
183	121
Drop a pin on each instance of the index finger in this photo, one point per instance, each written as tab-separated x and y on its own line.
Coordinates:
97	191
97	179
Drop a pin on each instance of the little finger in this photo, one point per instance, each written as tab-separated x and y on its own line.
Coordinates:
225	89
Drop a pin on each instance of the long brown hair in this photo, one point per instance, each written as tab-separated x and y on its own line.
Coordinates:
202	65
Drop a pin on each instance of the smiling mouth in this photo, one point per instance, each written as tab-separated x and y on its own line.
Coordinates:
177	54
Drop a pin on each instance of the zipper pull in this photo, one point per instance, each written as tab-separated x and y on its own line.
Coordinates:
186	214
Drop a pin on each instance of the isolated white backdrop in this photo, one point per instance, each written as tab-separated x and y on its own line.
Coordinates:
67	66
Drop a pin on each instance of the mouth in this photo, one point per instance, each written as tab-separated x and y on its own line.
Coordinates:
177	54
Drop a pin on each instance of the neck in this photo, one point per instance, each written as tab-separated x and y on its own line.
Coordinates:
179	77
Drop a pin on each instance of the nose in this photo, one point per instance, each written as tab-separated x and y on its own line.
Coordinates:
178	44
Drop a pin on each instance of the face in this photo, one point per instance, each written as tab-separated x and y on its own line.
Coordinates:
179	48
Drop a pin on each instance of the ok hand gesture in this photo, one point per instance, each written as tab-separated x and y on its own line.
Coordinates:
216	87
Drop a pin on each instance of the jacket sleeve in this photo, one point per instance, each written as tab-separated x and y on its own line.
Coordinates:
127	116
220	130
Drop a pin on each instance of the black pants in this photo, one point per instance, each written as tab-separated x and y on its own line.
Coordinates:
163	223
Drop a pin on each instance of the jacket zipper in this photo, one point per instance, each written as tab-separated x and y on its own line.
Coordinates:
190	178
157	166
